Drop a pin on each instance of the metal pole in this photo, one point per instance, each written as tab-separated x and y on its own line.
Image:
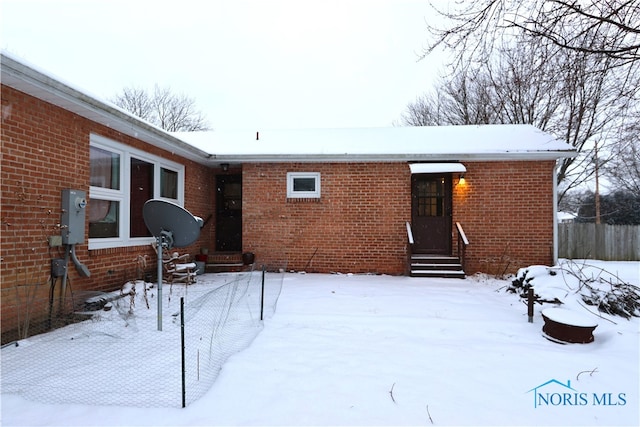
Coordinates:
159	302
262	297
530	304
184	386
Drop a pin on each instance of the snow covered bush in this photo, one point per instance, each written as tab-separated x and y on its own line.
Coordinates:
581	281
542	294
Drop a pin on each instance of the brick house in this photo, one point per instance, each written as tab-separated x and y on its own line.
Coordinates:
341	200
364	191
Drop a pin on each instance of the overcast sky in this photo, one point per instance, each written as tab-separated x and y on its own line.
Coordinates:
248	64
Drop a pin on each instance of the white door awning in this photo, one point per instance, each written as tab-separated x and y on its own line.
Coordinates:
436	167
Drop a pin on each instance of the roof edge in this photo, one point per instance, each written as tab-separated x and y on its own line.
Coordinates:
25	78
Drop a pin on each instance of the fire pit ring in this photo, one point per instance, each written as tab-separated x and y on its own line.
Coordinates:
566	326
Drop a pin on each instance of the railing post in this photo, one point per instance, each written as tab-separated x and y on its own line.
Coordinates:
463	257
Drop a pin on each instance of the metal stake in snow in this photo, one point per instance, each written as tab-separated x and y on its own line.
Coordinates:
530	304
172	226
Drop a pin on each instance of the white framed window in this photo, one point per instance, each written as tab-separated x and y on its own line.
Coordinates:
303	185
122	179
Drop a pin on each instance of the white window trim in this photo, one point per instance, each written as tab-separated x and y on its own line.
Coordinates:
126	153
291	194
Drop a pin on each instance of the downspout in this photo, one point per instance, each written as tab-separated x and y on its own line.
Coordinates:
70	252
555	213
82	269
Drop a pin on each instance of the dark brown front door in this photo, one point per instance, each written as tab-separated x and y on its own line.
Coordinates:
229	213
431	213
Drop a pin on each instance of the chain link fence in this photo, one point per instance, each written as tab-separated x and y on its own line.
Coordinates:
119	356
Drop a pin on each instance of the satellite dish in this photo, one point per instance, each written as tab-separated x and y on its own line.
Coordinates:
171	225
165	219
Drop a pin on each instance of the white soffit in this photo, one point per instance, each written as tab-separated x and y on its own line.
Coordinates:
436	167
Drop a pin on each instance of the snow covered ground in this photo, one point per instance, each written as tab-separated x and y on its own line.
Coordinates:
381	350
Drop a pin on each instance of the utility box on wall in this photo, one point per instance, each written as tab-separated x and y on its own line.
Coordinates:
74	206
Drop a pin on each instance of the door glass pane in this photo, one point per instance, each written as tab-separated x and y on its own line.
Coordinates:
141	191
430	198
168	184
232	196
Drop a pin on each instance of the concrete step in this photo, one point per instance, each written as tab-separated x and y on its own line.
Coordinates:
425	266
219	262
430	265
223	268
434	259
458	274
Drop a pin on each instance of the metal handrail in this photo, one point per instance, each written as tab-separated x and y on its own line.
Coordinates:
409	233
463	242
409	247
461	234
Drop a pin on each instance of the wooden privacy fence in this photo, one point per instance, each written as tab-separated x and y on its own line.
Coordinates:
599	241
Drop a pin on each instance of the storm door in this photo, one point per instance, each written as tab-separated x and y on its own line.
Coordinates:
229	213
431	213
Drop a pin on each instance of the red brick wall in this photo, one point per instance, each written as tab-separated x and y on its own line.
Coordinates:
506	210
44	150
357	226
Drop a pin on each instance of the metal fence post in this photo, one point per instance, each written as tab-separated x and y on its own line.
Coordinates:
184	386
262	296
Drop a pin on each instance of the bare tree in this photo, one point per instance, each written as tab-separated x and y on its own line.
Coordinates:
602	28
461	99
423	111
171	112
592	46
520	84
565	94
136	101
623	171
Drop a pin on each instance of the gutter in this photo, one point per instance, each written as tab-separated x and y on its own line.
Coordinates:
382	158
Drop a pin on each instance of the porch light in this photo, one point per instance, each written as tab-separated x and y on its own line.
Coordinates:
461	179
225	167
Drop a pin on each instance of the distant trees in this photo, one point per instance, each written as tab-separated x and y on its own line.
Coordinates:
520	84
620	207
163	108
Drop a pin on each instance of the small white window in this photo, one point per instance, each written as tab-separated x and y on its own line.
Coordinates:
303	185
